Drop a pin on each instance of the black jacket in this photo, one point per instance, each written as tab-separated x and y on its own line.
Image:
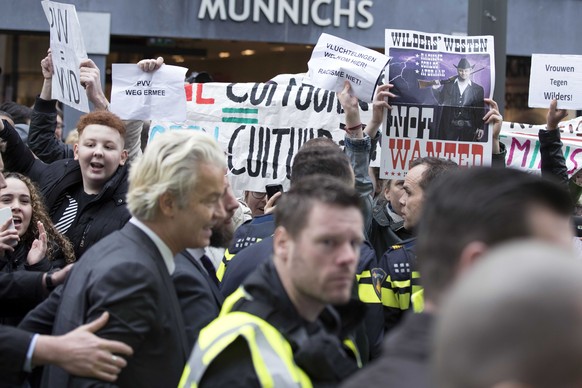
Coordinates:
384	231
200	299
106	213
250	258
553	163
317	346
14	262
405	359
41	134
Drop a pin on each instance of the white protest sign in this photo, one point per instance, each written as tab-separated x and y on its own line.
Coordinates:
261	126
68	49
555	77
140	95
336	60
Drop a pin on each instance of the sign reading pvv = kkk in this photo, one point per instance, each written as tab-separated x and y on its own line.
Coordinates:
556	77
68	49
335	60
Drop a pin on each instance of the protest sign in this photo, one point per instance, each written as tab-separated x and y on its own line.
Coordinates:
68	50
440	81
261	126
336	60
556	77
140	95
523	147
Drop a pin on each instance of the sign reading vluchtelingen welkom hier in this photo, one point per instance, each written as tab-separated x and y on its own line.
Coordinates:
335	60
556	77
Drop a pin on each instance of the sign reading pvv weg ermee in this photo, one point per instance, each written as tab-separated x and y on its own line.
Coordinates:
556	77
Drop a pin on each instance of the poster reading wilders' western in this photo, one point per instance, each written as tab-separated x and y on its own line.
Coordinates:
440	82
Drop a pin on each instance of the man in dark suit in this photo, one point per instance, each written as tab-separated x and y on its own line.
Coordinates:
462	106
195	276
174	198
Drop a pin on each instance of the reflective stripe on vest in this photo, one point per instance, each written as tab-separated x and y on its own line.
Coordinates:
366	292
271	354
418	301
223	263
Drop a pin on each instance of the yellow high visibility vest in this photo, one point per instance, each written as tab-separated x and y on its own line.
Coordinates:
271	354
418	301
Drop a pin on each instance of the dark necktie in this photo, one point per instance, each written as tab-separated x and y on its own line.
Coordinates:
209	268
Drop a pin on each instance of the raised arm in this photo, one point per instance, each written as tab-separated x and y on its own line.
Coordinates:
43	122
378	105
357	148
553	162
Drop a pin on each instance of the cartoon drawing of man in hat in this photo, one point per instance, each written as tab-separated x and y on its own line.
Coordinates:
462	106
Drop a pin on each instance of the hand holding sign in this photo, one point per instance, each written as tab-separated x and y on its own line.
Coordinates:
149	65
90	77
379	104
555	115
46	66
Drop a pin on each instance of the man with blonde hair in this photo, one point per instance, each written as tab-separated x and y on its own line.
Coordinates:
174	198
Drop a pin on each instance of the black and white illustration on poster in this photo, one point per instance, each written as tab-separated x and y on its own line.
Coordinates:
441	82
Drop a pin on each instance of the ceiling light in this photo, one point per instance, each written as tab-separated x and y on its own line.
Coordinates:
178	58
278	49
223	54
247	52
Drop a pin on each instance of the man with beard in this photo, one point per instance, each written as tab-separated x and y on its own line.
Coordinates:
195	276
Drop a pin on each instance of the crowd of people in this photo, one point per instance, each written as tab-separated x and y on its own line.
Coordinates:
135	265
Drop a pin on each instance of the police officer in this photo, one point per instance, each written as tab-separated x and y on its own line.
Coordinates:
280	328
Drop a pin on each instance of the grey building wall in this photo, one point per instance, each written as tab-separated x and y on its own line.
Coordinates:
180	18
534	26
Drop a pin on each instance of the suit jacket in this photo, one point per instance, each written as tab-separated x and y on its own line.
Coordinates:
13	347
19	290
468	106
124	274
200	299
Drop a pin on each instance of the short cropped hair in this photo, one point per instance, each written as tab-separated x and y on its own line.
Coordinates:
6	115
321	158
20	114
101	117
478	204
322	141
294	207
435	167
170	164
514	317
